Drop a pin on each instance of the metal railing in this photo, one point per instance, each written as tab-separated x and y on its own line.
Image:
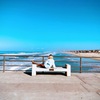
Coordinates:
77	65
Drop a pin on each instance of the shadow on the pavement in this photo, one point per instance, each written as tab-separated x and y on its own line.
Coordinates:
46	73
29	72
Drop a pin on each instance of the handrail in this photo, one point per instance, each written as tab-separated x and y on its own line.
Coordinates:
80	65
3	63
4	60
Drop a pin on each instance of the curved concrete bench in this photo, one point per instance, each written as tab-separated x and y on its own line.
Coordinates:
67	69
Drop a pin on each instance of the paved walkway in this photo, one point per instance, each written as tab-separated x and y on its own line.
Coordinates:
21	86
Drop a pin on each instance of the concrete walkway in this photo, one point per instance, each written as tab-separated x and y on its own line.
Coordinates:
22	86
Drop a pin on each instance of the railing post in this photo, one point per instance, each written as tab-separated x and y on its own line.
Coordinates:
3	63
42	59
80	65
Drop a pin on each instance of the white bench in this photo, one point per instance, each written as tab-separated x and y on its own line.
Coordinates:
67	69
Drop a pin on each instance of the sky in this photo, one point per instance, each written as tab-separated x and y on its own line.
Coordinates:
49	24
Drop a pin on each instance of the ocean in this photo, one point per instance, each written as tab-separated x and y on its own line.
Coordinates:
61	58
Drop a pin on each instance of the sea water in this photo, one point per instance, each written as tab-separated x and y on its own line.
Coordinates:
60	58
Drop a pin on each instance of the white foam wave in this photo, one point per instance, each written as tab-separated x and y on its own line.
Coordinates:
48	53
27	68
95	69
13	68
22	53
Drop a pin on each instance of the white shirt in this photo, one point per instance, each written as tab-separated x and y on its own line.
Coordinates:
49	63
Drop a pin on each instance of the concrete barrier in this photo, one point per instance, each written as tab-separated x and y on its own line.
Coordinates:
67	69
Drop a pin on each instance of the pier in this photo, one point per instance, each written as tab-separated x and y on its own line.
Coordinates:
22	86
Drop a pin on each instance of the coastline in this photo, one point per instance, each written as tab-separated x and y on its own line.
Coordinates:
85	55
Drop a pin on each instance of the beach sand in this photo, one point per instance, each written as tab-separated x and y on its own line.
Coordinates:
97	55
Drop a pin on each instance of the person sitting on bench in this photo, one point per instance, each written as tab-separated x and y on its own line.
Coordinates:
49	63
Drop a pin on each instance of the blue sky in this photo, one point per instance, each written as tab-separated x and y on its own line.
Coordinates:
49	24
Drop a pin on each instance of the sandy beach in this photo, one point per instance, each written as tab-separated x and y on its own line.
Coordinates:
86	55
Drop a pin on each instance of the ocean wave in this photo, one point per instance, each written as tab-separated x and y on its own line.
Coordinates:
22	53
36	57
94	69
